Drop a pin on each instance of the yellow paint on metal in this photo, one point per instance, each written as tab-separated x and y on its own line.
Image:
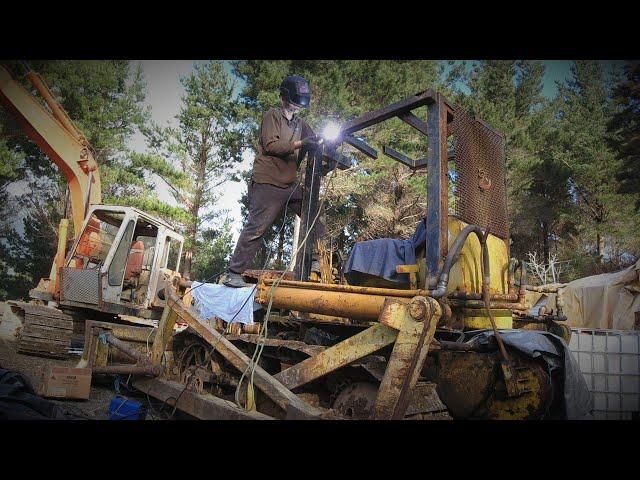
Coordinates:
521	407
339	355
58	261
356	306
475	319
466	273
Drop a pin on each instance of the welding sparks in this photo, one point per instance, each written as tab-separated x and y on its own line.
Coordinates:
331	131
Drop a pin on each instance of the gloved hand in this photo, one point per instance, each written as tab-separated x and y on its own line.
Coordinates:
312	142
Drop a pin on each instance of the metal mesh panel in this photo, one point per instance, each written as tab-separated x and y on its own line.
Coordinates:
80	285
480	179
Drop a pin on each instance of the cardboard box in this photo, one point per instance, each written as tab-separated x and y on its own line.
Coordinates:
66	382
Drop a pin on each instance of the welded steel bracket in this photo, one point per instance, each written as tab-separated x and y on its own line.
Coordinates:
416	324
410	327
390	152
362	146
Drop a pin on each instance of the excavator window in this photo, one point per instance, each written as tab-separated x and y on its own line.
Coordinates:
119	262
96	239
140	262
174	252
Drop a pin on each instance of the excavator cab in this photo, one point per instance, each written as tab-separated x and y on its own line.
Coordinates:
120	261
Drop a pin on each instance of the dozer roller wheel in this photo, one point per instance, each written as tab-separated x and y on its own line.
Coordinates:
356	400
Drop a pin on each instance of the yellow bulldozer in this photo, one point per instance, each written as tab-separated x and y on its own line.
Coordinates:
449	336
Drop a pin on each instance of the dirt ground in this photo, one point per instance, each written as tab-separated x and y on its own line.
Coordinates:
102	390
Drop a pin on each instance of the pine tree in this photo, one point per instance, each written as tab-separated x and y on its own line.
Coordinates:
198	156
624	128
507	95
583	112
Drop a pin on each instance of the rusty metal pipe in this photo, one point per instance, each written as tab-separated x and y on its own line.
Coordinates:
312	286
501	297
479	304
458	346
126	349
357	306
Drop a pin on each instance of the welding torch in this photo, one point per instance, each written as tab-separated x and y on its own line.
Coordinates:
330	135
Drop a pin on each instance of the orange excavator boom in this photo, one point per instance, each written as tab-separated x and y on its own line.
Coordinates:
56	135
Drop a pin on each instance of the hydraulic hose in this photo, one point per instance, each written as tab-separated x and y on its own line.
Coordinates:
454	254
452	258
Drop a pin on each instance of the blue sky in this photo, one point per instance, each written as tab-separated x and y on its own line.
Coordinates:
164	91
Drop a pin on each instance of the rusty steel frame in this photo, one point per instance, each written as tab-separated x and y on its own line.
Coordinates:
277	392
340	355
409	327
204	407
415	332
437	128
310	206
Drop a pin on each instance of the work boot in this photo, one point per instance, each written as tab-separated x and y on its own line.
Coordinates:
234	280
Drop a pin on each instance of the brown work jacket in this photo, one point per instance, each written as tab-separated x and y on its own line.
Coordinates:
277	162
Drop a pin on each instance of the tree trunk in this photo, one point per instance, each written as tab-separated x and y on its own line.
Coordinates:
192	231
601	246
280	254
545	242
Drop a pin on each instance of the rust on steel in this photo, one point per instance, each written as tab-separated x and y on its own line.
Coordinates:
479	304
269	274
296	345
282	396
202	406
146	369
353	348
357	306
390	111
501	297
123	347
417	322
386	292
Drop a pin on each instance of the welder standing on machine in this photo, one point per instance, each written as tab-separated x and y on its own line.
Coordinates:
284	140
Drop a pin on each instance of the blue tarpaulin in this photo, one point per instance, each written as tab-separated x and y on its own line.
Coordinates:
379	257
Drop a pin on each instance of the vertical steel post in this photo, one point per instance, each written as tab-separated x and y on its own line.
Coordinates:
437	189
310	205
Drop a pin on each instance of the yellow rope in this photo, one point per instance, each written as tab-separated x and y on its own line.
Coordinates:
263	332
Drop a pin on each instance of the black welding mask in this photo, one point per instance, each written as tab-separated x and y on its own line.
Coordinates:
295	90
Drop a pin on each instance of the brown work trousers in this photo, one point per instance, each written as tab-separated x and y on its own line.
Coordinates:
266	201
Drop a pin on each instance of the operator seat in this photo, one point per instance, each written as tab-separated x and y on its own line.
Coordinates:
90	243
373	263
134	263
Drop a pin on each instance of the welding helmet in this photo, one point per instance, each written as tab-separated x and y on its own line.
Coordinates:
295	90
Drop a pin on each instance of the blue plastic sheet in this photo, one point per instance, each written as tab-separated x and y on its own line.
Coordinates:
235	305
381	256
